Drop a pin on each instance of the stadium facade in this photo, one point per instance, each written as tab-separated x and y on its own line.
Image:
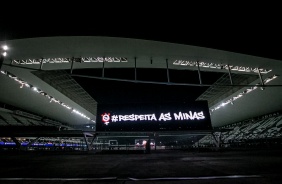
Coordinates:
36	76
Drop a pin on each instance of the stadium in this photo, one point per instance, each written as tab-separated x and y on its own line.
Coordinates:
56	93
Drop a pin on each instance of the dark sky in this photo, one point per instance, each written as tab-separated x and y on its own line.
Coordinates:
255	34
249	29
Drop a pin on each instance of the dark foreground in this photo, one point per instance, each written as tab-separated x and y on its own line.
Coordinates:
262	166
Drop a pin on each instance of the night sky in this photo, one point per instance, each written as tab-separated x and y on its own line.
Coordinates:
257	34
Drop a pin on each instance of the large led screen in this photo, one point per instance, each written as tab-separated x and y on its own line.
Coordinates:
153	117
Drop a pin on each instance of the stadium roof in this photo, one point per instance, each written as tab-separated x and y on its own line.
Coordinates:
55	81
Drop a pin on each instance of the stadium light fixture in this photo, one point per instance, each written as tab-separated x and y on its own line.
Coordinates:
3	54
5	47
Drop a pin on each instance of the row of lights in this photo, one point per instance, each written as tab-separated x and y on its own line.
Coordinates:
51	98
220	66
3	53
122	59
69	60
4	48
246	91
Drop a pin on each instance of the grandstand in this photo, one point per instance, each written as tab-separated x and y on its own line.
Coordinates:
20	118
248	133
